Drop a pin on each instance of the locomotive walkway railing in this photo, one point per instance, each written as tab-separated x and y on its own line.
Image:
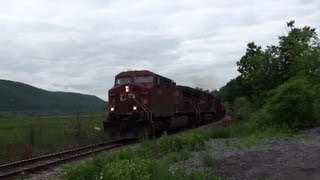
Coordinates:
148	111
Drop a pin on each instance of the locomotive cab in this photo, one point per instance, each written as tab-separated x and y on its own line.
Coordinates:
141	93
130	101
130	95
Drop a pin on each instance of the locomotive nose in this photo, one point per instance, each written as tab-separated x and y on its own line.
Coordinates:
128	99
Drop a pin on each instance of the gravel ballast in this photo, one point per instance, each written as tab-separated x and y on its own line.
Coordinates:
275	158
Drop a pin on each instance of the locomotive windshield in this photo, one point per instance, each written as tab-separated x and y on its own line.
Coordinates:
143	79
124	80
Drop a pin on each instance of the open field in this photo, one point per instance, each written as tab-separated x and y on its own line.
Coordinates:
24	137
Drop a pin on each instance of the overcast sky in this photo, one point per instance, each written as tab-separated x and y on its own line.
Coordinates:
79	46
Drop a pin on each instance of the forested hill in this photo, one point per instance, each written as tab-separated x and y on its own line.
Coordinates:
20	97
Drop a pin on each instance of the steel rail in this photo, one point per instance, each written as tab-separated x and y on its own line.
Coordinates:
41	162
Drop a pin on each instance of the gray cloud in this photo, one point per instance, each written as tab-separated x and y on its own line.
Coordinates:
80	45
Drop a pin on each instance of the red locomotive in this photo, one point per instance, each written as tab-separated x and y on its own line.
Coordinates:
142	102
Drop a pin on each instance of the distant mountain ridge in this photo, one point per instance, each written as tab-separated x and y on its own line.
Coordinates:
16	96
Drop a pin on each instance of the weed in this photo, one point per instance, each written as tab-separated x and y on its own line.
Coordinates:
166	144
207	158
247	142
23	175
177	156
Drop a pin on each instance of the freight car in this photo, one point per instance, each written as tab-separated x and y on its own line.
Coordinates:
142	102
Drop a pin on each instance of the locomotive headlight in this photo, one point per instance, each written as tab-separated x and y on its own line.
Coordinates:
112	109
134	108
127	88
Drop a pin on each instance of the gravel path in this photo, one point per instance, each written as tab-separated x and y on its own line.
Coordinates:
277	158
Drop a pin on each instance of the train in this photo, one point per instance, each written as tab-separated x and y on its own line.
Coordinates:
142	103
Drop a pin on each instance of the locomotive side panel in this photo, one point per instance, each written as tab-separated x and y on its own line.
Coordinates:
163	98
219	108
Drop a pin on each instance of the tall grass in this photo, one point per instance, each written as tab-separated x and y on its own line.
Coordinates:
248	129
23	137
151	161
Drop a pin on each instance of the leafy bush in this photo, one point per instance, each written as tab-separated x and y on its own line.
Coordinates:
207	159
243	108
234	130
316	104
291	105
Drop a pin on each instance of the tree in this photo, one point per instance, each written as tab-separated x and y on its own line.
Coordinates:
233	89
259	71
263	70
215	93
292	47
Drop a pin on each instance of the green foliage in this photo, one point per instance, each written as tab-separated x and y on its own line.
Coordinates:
259	70
294	46
154	157
136	168
316	103
182	142
279	82
207	159
290	105
19	97
243	108
46	135
233	89
150	161
298	53
177	156
308	64
249	129
238	130
248	142
23	175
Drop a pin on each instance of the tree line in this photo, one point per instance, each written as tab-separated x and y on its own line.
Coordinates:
279	85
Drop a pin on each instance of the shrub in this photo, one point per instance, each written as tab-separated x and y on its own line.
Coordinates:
207	159
290	105
316	104
235	130
243	108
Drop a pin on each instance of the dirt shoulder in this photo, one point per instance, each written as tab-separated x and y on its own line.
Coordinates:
276	158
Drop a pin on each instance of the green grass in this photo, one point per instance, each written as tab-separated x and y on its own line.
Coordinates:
248	134
247	142
207	158
153	158
151	161
45	135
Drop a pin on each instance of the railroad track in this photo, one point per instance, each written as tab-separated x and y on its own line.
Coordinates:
42	162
